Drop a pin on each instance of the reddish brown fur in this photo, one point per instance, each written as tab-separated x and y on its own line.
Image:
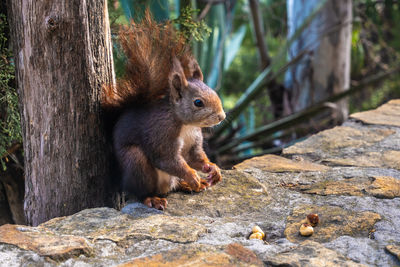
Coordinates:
157	136
149	48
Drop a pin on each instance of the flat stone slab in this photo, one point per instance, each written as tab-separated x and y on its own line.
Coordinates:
349	175
200	256
236	194
110	224
333	140
385	159
387	114
394	249
379	186
334	222
273	163
45	243
310	254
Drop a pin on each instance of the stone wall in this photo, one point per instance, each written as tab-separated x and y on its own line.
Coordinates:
349	175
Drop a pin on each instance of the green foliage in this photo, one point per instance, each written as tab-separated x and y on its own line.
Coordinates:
135	9
117	18
237	78
190	28
375	46
10	128
120	12
246	65
257	87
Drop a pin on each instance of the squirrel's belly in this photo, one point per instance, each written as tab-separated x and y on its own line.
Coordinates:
166	182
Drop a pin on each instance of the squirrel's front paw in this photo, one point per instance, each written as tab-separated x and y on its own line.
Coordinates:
193	181
183	186
214	173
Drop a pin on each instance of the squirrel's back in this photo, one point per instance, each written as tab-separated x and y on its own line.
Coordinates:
138	123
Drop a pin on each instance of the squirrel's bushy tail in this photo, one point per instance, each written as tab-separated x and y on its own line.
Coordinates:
149	48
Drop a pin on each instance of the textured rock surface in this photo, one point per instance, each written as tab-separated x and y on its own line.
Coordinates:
275	163
379	186
385	115
45	243
334	140
310	254
349	175
237	194
394	249
109	224
334	222
200	256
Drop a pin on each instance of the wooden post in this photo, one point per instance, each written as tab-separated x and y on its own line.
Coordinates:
63	56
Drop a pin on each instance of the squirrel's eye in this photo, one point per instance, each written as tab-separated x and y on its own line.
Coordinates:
198	103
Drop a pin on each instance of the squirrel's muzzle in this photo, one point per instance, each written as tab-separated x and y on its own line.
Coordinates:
221	116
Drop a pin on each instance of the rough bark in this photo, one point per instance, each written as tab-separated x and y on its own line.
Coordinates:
63	56
326	70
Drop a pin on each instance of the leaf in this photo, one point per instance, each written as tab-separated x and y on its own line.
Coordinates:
127	6
232	46
224	26
134	9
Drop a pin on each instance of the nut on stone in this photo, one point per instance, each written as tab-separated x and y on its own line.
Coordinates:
257	235
313	219
257	229
306	229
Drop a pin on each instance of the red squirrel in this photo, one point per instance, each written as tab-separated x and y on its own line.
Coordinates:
161	105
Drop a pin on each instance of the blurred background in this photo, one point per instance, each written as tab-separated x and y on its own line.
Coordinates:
284	69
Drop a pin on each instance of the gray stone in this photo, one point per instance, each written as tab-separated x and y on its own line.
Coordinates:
139	210
349	175
309	254
387	114
12	256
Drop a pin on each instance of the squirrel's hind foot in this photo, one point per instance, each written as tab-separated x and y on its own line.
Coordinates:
185	187
156	202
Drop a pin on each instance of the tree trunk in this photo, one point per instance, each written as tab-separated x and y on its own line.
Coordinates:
326	70
63	57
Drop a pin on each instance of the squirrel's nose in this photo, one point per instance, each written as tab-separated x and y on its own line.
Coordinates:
221	116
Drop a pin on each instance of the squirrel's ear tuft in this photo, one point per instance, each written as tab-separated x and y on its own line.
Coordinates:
192	68
177	80
195	70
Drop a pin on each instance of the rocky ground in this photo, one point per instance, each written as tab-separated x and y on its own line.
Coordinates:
349	175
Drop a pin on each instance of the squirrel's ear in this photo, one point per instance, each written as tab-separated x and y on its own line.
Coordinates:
177	80
194	68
